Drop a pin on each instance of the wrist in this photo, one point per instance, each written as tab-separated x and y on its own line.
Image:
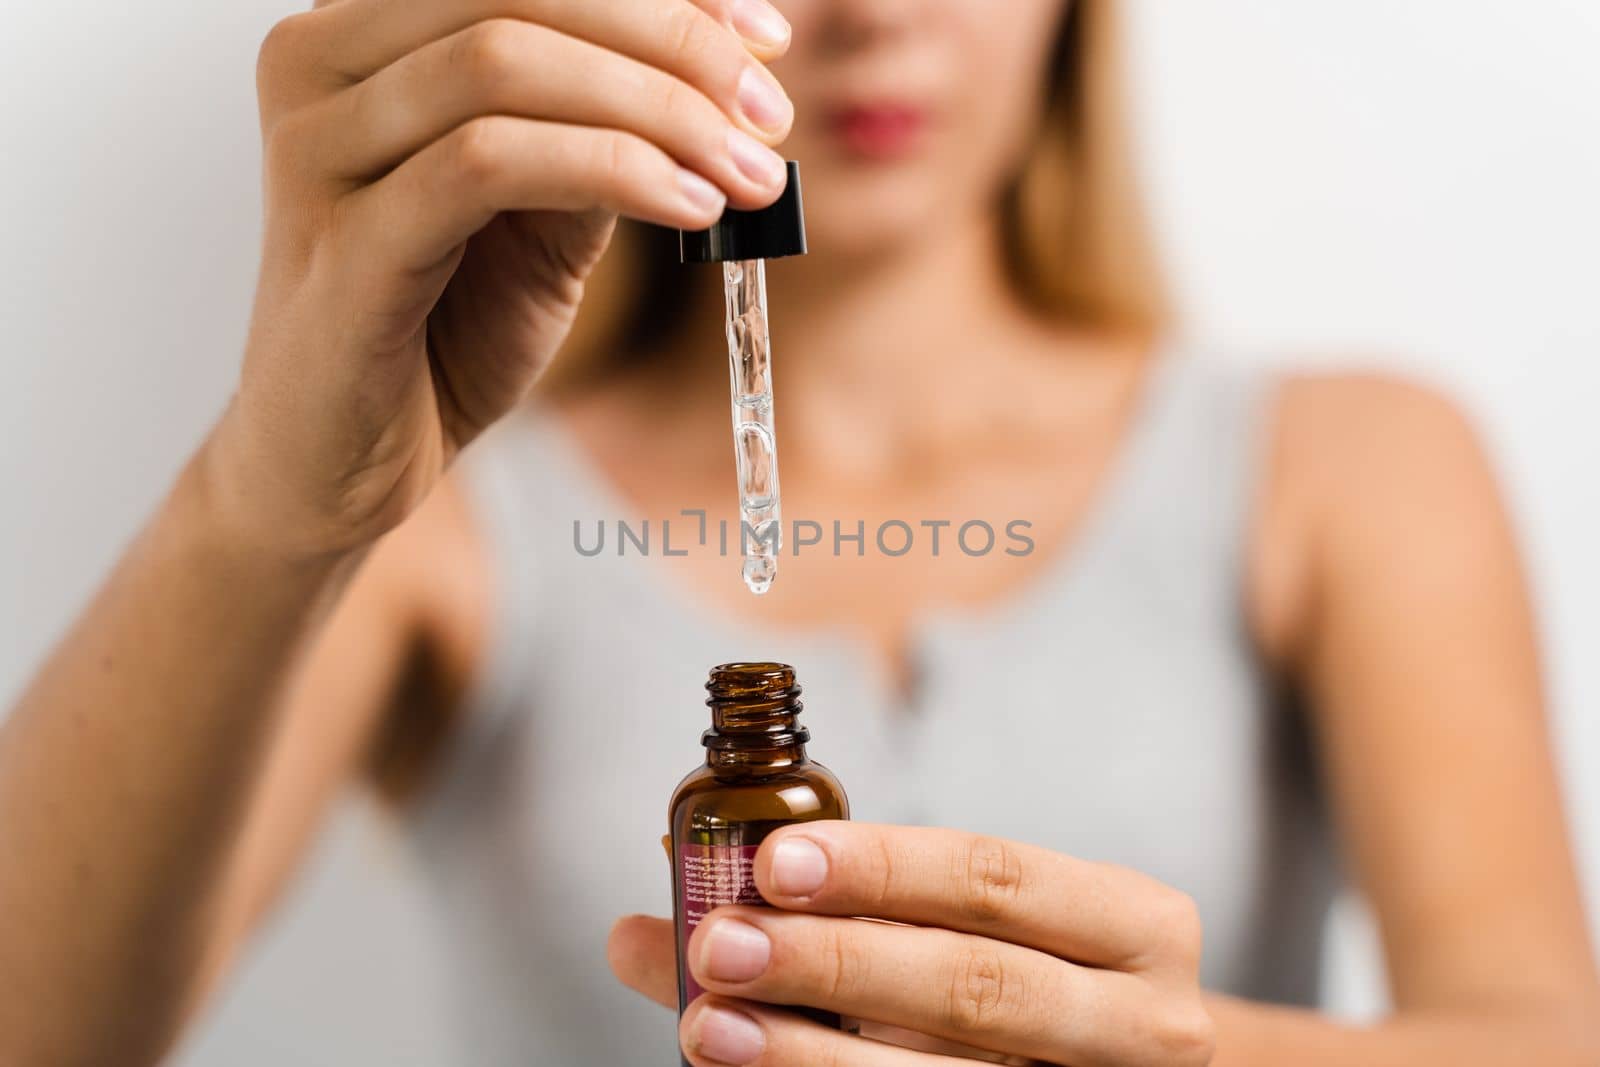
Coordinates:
227	513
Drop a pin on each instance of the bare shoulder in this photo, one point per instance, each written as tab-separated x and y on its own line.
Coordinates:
431	577
1375	429
433	563
1368	472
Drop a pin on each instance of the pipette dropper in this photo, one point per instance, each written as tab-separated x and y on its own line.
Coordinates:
742	241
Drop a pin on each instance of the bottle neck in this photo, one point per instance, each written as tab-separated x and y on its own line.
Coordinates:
755	712
765	758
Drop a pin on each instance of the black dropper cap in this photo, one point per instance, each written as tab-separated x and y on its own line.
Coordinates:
770	233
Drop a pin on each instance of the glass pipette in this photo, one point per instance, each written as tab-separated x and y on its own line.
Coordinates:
755	443
742	241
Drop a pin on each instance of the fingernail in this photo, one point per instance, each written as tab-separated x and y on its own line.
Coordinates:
701	194
727	1036
734	951
759	23
799	867
755	160
763	102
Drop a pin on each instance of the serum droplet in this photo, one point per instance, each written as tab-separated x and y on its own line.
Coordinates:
759	574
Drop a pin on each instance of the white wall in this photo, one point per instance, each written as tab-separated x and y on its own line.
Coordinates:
1418	180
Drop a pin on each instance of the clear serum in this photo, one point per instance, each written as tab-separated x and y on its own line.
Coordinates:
742	242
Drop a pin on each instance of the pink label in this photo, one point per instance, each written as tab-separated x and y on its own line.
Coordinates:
710	876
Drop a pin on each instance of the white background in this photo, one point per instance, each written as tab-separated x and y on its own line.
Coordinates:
1413	181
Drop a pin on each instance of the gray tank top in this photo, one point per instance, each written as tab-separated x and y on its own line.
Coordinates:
1115	710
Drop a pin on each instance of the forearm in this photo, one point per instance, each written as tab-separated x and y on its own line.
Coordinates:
1258	1035
124	775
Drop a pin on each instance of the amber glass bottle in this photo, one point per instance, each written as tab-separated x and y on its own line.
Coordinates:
756	778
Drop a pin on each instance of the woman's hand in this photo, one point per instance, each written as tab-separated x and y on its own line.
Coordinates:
1013	953
440	178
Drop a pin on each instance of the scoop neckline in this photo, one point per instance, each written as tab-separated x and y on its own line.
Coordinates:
1115	486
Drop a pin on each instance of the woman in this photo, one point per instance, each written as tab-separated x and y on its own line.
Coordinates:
1230	575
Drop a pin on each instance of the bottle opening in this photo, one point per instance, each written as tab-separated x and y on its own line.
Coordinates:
754	700
762	681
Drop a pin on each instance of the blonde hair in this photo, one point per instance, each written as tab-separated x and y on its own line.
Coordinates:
1076	242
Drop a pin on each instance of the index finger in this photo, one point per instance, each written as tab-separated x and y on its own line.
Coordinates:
1091	913
362	37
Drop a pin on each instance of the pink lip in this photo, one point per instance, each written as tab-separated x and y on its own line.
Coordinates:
881	132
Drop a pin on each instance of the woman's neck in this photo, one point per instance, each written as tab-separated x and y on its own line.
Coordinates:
889	365
899	315
882	318
931	337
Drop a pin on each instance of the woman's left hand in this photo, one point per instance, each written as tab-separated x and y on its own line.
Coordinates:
1010	953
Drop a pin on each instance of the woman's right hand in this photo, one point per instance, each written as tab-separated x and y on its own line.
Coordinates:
440	178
